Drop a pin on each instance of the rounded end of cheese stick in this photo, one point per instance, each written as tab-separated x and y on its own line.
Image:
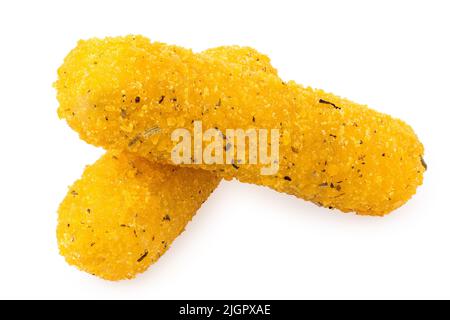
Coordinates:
125	212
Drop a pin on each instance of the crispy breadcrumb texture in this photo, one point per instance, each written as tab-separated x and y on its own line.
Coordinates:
244	57
125	212
333	152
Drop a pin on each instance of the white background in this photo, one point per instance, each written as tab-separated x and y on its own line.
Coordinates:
246	241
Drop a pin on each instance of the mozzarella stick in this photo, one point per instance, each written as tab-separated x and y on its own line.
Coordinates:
128	93
125	212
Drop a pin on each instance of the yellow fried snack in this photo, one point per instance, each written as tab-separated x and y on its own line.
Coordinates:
115	92
124	213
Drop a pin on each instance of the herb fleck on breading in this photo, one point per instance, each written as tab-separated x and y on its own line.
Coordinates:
330	103
143	256
424	164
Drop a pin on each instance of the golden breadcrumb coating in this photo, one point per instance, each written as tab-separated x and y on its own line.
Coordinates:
245	57
333	152
125	212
